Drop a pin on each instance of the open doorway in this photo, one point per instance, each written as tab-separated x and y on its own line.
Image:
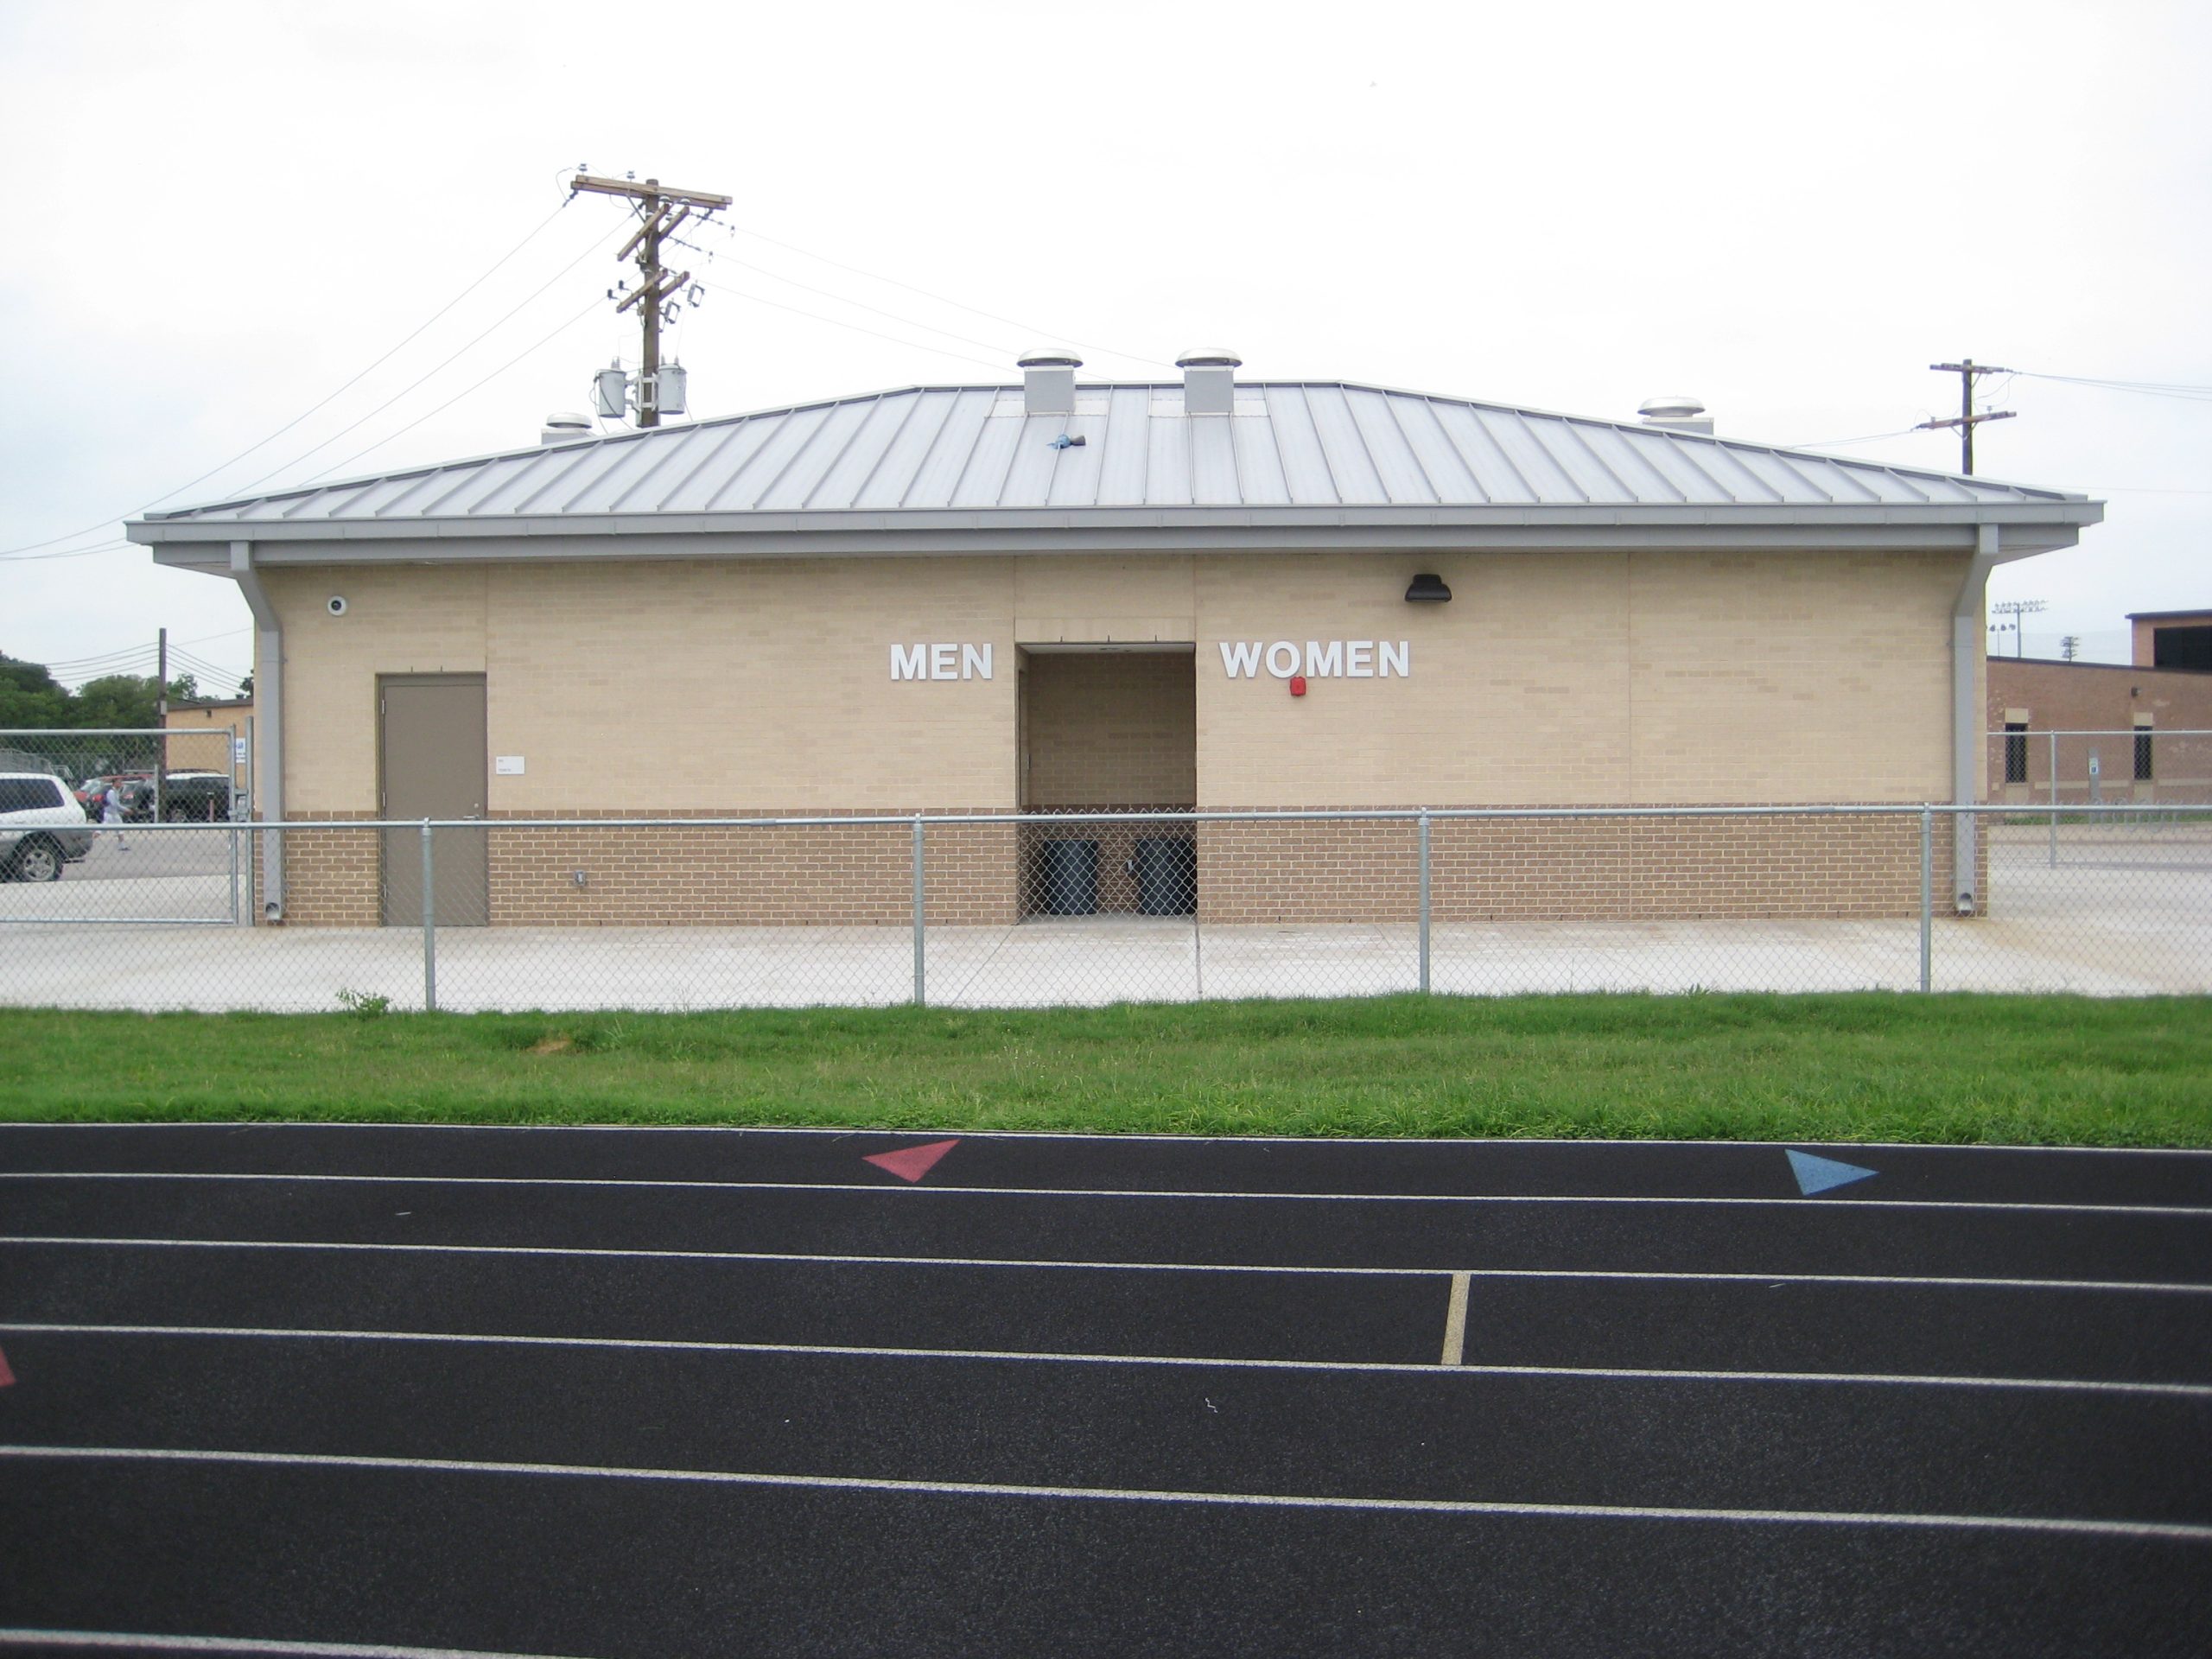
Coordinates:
1107	728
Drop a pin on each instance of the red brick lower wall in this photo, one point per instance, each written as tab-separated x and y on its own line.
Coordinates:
1281	872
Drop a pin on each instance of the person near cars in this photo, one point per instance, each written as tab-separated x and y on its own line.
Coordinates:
111	814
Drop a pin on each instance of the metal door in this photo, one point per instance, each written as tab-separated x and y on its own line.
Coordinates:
430	761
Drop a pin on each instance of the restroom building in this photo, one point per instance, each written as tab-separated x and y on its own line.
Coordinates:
1062	596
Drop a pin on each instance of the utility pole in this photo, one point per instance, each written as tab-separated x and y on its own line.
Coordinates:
1967	419
662	210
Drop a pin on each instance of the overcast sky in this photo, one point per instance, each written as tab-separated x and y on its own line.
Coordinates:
220	214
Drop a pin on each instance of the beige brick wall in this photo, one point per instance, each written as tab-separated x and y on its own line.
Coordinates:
1587	679
692	689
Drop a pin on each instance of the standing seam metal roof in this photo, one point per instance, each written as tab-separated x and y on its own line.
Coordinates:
1287	443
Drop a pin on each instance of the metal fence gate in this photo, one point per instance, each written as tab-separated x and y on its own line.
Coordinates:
161	838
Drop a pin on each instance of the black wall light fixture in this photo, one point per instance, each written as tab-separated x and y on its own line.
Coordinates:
1427	588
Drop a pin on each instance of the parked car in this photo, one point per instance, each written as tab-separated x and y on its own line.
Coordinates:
42	827
195	797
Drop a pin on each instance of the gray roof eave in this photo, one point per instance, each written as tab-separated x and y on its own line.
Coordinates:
1357	525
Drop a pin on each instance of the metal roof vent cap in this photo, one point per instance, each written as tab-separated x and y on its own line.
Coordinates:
565	426
1209	380
1676	414
1048	381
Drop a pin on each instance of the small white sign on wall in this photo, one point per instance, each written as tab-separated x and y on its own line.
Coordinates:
507	765
237	751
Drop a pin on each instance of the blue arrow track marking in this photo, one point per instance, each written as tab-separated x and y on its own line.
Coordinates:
1819	1174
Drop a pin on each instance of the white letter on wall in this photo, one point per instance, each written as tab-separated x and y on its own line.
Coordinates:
1240	658
1282	658
1398	656
974	662
1360	660
908	663
941	663
1323	662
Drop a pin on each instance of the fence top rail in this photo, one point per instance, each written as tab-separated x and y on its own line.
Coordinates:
112	731
1398	815
2110	731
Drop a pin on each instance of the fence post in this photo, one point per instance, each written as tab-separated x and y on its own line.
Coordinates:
429	926
1927	893
921	984
2054	799
1424	901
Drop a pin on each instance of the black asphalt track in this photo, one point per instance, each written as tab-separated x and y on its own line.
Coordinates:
668	1392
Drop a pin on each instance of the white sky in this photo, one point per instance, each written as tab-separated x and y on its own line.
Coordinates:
220	213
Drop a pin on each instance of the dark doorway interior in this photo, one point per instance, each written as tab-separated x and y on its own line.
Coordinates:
1107	729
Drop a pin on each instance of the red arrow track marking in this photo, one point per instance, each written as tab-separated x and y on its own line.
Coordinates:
912	1163
7	1376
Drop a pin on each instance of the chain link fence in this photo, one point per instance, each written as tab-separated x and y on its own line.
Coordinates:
1057	909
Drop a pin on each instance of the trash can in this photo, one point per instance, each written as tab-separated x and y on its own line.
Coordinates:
1167	875
1067	878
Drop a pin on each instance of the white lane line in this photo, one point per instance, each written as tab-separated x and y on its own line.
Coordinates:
135	1642
1796	1202
1929	1281
854	1350
2179	1532
1455	1322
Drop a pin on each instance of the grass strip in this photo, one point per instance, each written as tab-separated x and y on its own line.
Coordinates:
2022	1071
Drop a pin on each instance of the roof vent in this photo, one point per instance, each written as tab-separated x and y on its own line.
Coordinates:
1209	380
565	426
1048	381
1676	414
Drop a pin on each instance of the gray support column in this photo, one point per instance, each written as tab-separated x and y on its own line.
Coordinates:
430	922
268	703
1969	717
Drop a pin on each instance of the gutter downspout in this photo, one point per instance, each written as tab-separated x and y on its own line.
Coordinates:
1967	716
269	699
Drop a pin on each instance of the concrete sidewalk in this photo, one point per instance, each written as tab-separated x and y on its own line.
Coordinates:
1073	960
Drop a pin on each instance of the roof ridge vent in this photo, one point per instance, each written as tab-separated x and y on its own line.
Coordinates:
1208	379
565	426
1676	413
1048	380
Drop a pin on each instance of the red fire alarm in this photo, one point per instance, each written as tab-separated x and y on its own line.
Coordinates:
1298	685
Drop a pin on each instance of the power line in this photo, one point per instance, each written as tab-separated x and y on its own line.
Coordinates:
839	322
440	368
296	420
829	293
1837	443
876	276
455	398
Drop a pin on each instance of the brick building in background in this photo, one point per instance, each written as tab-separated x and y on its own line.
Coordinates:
1065	597
2105	732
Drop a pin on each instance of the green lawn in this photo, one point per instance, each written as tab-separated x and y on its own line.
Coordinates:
2020	1069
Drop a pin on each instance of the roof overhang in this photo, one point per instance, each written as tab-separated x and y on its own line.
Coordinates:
2027	528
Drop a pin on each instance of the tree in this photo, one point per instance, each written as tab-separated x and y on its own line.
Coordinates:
30	697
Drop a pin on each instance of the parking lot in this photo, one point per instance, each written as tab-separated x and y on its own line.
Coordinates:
617	1392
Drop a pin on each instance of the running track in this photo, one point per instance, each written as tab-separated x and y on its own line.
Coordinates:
372	1390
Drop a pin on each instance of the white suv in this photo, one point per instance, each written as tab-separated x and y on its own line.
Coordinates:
41	827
